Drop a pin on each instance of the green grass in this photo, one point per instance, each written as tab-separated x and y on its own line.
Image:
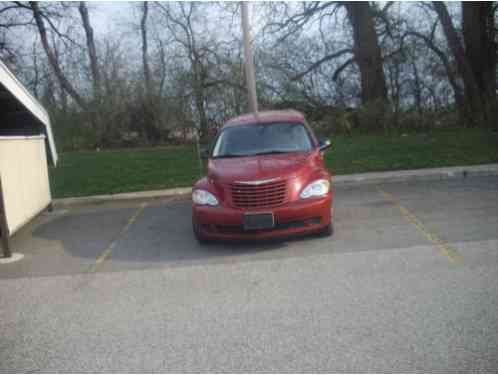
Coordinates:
84	173
90	172
443	148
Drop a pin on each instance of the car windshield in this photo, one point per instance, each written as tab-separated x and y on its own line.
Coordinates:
261	139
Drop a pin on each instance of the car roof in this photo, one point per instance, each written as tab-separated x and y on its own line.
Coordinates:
288	115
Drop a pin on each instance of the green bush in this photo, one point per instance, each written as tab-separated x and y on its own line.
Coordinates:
373	116
492	115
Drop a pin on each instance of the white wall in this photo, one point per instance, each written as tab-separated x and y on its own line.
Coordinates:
24	173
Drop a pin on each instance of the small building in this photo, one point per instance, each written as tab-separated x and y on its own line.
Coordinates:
26	144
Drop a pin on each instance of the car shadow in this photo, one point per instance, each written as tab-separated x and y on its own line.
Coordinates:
161	234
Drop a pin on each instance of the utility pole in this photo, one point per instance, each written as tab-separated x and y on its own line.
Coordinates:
249	62
4	229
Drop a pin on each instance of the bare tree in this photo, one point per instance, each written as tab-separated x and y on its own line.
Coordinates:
92	51
478	28
318	57
430	42
150	99
472	93
12	16
180	25
367	52
145	56
63	81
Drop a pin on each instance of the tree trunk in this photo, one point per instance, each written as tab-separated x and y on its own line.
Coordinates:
64	82
417	88
478	27
92	52
95	117
145	57
162	56
203	122
150	114
36	78
367	52
472	93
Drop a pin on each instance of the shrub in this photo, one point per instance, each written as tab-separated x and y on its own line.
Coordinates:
372	116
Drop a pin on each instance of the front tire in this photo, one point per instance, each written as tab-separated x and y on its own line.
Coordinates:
327	231
198	235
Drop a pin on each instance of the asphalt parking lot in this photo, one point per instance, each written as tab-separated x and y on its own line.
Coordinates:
408	283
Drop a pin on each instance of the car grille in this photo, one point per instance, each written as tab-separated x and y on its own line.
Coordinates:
268	194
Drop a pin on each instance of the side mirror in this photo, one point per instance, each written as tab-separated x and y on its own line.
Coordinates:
204	154
324	144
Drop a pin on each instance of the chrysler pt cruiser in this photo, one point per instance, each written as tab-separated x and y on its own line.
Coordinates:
265	178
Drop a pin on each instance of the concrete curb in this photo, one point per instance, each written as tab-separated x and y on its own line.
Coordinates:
353	179
417	174
94	199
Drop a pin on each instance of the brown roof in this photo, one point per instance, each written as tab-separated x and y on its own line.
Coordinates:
288	115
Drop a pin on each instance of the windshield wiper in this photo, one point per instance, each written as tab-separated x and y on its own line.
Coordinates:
255	154
271	152
229	156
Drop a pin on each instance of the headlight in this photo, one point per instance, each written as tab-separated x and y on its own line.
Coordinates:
317	188
204	197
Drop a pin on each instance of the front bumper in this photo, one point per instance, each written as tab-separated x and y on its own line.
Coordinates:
300	217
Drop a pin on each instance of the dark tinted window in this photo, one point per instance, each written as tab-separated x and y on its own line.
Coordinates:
257	139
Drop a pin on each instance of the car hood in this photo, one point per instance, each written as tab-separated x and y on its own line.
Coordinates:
256	168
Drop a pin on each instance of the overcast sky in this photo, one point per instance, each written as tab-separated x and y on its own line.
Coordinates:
106	15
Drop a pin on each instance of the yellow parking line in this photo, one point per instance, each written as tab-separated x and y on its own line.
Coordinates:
108	251
443	247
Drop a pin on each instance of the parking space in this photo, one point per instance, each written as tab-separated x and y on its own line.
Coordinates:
408	282
74	240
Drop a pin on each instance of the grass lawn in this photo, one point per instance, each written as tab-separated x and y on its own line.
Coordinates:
90	172
83	173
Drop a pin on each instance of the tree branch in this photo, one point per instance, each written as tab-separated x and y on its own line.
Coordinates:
321	61
64	82
339	70
442	56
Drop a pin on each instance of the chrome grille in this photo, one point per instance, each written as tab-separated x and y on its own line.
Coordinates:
255	195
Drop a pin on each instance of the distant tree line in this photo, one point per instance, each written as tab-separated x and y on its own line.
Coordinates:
173	70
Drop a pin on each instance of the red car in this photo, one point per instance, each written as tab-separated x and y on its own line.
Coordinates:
265	178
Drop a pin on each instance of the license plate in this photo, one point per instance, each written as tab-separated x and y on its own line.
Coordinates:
258	221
